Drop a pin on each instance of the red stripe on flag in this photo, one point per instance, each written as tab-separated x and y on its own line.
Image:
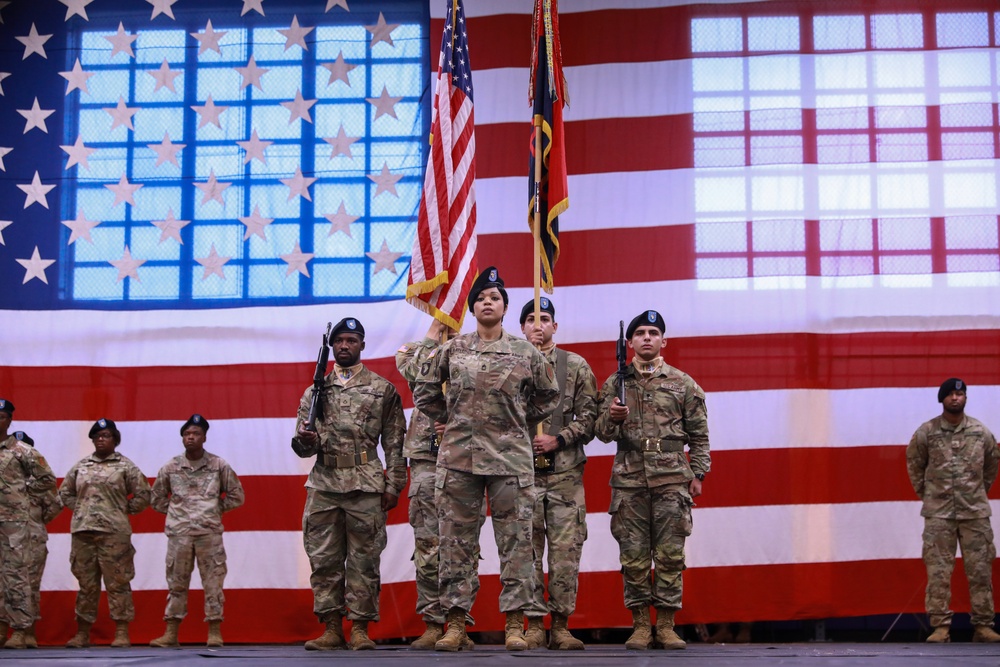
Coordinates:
751	593
719	363
794	477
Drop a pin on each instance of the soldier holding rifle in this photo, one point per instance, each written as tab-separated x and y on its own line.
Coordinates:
340	422
653	482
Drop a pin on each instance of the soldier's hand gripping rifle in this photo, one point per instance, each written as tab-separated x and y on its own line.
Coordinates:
319	379
621	353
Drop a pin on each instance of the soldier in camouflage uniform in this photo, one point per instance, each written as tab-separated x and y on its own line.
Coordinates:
421	447
194	489
44	508
499	388
25	479
102	490
653	482
560	508
952	460
348	494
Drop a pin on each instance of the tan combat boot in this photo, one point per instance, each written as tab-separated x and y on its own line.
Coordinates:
560	638
454	638
940	635
214	634
16	639
514	632
432	633
535	636
82	637
359	637
169	638
30	640
642	635
332	638
665	635
4	628
985	633
121	639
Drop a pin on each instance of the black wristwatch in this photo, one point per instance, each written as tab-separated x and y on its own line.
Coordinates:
700	477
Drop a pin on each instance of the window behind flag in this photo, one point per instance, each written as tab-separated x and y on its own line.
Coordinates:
178	196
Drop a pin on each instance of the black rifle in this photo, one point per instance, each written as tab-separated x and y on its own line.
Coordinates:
621	353
319	380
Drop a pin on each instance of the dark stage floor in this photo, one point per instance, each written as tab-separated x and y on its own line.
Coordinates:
701	655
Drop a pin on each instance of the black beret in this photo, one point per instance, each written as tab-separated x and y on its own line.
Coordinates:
544	304
347	325
6	406
24	437
195	420
490	277
650	318
950	385
102	424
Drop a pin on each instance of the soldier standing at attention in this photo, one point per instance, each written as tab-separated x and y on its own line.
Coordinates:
348	493
102	490
194	489
25	478
499	388
560	508
44	508
952	460
653	482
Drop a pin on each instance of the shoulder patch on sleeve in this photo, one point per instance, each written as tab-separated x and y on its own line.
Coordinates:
403	348
432	354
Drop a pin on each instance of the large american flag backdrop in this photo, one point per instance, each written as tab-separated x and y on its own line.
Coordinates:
806	190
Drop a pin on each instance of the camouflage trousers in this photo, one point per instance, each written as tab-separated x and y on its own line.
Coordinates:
424	521
38	553
18	604
344	536
460	507
94	555
975	536
561	520
182	552
650	526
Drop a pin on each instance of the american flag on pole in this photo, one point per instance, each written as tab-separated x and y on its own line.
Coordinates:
443	263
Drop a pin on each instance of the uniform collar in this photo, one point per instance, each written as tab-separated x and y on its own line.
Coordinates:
647	368
344	377
114	456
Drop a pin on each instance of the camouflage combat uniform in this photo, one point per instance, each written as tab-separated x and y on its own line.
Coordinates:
25	478
951	468
343	523
44	509
422	510
560	508
194	495
497	391
650	498
97	492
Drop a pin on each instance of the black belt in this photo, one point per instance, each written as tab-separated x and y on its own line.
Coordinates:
347	460
659	445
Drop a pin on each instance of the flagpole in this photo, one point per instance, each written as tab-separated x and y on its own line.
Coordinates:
536	231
